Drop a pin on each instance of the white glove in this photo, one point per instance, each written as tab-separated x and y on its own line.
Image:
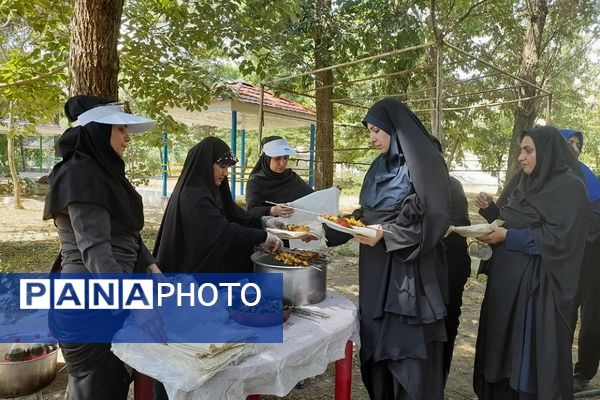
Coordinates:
273	244
273	222
280	210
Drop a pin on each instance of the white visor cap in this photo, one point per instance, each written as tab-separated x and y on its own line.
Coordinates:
278	148
113	114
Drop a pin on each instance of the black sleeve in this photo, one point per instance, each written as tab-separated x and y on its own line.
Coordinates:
146	256
459	205
335	238
247	219
594	229
491	213
200	209
254	204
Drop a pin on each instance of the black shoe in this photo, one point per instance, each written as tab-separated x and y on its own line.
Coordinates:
579	383
300	384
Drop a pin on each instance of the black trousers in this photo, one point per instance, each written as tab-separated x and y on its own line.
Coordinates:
95	373
459	270
588	298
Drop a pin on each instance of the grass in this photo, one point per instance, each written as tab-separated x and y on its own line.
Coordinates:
28	256
38	255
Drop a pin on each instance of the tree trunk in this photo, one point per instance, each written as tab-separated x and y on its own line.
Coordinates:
324	134
11	162
525	111
94	62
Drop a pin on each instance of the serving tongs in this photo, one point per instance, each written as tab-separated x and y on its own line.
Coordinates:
309	313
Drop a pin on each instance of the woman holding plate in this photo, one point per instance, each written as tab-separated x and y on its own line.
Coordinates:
272	181
402	268
526	326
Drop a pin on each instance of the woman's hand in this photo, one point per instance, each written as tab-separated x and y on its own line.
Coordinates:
153	269
483	200
281	211
274	222
151	323
495	237
370	241
273	244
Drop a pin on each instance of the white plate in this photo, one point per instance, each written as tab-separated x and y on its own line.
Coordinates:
475	230
286	235
369	230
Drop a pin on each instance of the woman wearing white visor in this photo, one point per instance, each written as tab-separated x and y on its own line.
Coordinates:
272	181
99	215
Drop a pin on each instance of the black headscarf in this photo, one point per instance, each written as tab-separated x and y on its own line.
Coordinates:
266	185
199	227
552	200
92	172
553	157
387	182
426	166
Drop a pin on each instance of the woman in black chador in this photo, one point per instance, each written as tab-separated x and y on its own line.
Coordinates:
271	180
98	215
203	229
402	270
526	325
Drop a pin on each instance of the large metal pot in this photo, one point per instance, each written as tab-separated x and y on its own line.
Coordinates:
25	377
301	285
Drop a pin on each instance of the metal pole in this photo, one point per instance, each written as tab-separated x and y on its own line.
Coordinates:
376	57
311	158
165	161
438	133
261	115
492	66
41	159
491	104
233	149
243	161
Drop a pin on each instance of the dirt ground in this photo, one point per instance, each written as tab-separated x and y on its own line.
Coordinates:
23	235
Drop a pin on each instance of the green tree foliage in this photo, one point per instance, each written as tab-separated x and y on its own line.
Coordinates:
33	56
176	53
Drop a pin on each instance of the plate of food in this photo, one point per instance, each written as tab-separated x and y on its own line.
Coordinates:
294	232
348	225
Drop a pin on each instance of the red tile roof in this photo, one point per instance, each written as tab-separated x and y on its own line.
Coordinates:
247	93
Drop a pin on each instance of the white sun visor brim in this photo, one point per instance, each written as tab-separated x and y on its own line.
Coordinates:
278	148
114	115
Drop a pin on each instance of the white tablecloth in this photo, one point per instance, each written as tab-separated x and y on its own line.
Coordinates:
308	348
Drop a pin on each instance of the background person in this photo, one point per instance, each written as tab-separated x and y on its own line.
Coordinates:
271	180
588	295
459	262
525	333
98	215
